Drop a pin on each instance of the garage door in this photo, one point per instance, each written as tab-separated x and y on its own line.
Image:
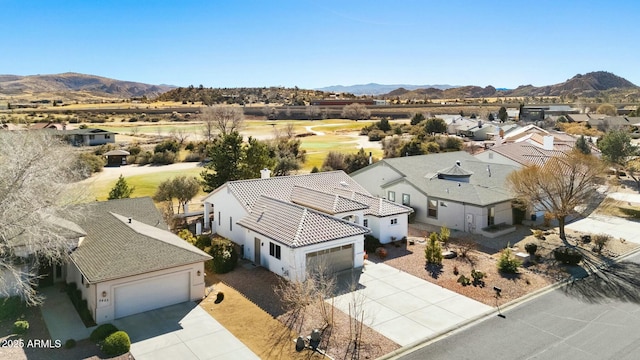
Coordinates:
335	259
144	295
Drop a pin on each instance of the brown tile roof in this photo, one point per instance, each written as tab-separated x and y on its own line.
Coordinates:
324	202
294	225
114	248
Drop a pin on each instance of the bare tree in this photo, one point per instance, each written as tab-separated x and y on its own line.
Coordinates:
559	186
180	135
356	111
36	194
312	112
290	131
224	119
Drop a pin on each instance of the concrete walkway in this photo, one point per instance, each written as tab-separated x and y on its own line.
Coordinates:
405	308
61	317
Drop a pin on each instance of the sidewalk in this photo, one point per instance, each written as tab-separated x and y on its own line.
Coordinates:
61	317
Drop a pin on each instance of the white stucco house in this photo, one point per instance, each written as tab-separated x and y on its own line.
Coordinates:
127	261
288	224
453	189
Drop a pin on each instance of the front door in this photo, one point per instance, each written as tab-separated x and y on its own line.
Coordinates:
256	245
45	272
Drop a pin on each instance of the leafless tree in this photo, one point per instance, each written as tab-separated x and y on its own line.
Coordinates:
312	112
356	111
290	131
224	119
180	135
37	201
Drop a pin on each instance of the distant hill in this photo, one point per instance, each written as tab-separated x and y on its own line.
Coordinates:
589	85
377	89
75	85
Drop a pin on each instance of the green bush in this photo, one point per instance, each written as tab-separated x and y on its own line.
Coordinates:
134	150
94	163
116	344
167	145
11	307
507	262
203	241
20	327
101	332
187	236
567	256
433	250
69	344
164	158
371	243
464	281
224	256
531	249
477	277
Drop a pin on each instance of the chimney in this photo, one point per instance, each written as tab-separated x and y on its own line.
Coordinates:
547	143
265	173
370	158
479	124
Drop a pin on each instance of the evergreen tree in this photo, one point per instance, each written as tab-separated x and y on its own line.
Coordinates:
121	190
582	145
417	119
502	114
226	155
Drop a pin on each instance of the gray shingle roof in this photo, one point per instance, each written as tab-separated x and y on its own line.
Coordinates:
486	186
376	206
113	248
295	225
280	187
324	202
455	170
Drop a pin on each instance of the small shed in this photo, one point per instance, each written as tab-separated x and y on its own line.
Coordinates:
117	157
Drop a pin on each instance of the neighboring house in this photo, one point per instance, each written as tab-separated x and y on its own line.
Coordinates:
9	126
126	261
49	125
288	223
89	137
453	189
481	131
116	157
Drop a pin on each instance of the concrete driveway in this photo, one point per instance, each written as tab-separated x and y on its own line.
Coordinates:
183	331
405	308
603	224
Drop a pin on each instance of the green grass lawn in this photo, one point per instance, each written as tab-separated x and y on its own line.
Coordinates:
145	185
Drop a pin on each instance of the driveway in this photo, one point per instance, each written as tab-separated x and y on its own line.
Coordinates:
183	331
405	308
603	224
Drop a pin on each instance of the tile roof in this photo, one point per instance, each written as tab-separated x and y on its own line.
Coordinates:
281	187
324	202
486	186
377	206
295	225
114	248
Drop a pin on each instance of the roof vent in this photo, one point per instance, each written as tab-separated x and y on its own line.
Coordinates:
344	183
458	163
129	220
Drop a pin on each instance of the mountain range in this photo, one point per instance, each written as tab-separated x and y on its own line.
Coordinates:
378	89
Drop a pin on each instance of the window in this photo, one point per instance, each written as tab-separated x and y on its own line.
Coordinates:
432	209
406	199
230	223
274	250
491	216
92	137
391	196
107	136
219	218
394	221
365	222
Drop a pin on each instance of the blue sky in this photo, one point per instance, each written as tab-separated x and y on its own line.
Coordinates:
313	44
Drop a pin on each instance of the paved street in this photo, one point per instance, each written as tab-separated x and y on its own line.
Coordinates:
594	318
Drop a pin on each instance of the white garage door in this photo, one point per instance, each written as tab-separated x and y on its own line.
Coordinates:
335	259
149	294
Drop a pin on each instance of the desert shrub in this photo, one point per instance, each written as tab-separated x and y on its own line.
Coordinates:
433	250
187	236
69	344
20	327
164	158
465	245
477	277
444	234
382	253
116	344
11	307
224	256
371	243
203	241
134	149
538	234
531	249
464	281
567	256
94	163
167	145
101	332
143	159
376	135
193	157
455	270
507	262
547	218
600	240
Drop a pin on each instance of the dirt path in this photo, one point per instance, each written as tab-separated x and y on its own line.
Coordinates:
112	173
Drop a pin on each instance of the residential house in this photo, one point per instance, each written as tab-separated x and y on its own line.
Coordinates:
289	224
481	131
453	189
48	125
89	137
125	261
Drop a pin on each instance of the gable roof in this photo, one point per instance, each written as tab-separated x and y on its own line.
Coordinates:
295	225
486	186
324	202
281	187
114	248
87	131
376	206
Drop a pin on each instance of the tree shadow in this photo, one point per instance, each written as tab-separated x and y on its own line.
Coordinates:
619	281
434	270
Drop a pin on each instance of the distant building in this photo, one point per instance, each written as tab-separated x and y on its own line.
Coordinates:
89	137
538	113
342	102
